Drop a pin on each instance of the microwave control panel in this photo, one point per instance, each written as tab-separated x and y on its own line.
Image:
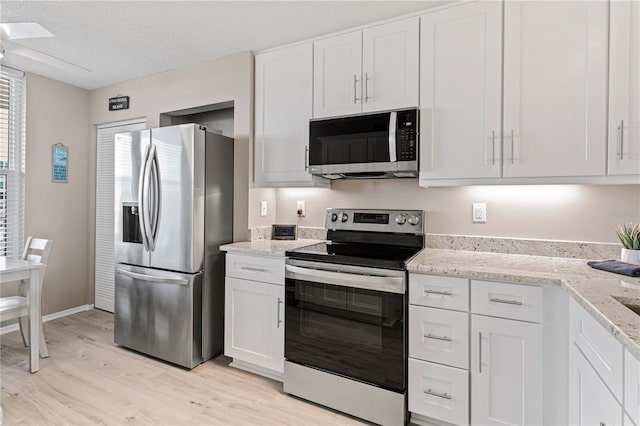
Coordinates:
406	135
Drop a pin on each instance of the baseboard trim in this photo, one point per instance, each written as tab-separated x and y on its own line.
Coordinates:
261	371
14	327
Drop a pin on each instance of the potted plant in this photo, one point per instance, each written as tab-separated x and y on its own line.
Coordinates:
629	235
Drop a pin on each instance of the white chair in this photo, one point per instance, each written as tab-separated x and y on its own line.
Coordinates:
12	307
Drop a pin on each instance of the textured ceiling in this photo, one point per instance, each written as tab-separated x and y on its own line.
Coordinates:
120	40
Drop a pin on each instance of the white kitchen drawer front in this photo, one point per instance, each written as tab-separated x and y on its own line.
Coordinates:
256	268
598	345
439	336
632	386
520	302
439	392
439	292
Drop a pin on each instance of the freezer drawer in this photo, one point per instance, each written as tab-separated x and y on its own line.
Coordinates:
159	313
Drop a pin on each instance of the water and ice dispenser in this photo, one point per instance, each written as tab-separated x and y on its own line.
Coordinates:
130	223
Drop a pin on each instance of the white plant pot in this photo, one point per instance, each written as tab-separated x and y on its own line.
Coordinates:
630	256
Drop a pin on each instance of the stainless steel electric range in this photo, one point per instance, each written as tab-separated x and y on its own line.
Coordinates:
346	312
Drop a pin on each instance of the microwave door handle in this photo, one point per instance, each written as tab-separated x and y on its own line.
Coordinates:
141	199
393	119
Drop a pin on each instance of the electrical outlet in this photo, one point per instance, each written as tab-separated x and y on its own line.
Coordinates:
479	213
300	208
263	208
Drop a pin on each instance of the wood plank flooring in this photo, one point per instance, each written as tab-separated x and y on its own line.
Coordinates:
88	380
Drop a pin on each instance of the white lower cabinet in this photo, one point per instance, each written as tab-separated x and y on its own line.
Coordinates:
506	372
439	391
631	387
590	401
254	325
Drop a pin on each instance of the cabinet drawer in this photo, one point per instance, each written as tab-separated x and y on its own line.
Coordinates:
600	348
520	302
439	392
439	292
439	336
632	386
256	268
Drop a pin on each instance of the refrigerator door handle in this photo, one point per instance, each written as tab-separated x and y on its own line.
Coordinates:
145	277
145	201
142	200
155	214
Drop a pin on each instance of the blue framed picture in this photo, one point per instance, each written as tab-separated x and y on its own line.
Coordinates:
60	163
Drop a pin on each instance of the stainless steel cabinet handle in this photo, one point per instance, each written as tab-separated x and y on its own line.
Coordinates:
252	269
355	92
366	87
439	395
306	158
480	352
442	293
508	302
443	338
512	152
493	148
278	308
621	139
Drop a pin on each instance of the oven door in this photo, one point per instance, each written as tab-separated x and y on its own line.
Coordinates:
348	321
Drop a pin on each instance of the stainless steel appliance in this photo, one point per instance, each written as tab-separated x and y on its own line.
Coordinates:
173	209
379	145
346	311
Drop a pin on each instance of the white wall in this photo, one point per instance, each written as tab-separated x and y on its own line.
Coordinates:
558	212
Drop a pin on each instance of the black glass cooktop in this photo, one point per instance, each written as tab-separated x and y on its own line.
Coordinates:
371	255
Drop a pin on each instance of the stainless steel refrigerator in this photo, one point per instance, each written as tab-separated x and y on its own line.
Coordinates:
173	209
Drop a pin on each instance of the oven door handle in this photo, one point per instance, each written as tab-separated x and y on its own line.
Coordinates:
347	279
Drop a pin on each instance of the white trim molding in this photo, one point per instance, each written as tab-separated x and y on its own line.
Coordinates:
14	327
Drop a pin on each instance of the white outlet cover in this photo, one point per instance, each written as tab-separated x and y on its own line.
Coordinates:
479	213
300	206
263	208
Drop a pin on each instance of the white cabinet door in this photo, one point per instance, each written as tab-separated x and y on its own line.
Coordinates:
390	65
624	88
590	402
337	69
506	372
283	104
555	88
254	323
632	386
460	92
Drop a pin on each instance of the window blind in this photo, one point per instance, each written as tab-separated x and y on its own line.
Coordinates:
12	161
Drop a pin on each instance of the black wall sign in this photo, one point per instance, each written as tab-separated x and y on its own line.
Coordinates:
118	103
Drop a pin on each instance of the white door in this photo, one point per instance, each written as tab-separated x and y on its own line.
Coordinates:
590	402
104	248
390	65
283	108
555	88
460	92
506	372
254	323
624	88
337	75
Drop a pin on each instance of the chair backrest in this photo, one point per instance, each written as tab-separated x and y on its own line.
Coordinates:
37	249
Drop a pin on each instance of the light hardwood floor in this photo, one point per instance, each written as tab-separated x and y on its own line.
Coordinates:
89	380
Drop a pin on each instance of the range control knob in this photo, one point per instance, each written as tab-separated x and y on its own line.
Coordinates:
401	219
413	220
344	217
334	217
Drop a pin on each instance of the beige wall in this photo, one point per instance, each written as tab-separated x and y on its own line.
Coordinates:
559	212
59	113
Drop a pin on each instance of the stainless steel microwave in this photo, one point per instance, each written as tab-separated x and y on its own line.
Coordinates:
378	145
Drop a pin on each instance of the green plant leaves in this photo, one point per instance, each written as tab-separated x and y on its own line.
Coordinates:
629	235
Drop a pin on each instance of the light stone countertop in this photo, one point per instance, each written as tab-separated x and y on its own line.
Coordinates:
592	288
275	248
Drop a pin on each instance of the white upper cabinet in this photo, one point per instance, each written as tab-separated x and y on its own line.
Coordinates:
555	88
371	70
283	104
624	88
460	92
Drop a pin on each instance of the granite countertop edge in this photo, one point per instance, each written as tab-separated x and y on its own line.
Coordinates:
272	248
592	289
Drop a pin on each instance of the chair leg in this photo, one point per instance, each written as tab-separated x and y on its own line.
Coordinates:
44	352
24	330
